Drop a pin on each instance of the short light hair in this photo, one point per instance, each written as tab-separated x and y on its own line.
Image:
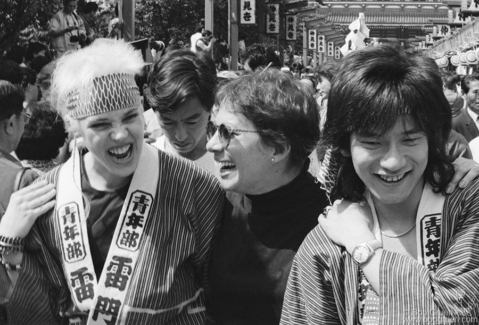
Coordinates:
77	70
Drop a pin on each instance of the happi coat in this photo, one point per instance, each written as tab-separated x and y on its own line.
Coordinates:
167	282
324	280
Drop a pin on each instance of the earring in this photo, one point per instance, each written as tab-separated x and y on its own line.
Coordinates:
273	160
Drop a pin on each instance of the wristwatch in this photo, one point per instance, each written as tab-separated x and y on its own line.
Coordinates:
363	253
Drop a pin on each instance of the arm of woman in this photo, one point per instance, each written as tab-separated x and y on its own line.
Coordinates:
466	170
25	206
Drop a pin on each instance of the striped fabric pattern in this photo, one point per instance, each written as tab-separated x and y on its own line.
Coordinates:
323	284
167	284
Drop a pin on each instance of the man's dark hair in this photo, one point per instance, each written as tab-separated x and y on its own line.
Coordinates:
326	70
180	75
17	53
257	55
34	48
466	81
11	71
44	135
39	62
11	99
206	33
372	89
29	77
89	7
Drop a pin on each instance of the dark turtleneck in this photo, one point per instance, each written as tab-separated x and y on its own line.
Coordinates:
255	247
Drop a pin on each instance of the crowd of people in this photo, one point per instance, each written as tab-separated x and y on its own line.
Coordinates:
179	192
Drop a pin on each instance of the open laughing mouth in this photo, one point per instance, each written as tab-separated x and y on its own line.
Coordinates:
226	166
121	153
392	179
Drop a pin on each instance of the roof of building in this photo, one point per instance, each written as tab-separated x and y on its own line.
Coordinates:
384	17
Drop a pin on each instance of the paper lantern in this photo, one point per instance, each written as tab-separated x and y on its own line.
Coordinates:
455	60
471	57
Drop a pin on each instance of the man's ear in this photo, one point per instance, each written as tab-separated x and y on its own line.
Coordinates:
9	124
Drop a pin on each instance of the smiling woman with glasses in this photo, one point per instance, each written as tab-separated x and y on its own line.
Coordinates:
266	124
225	132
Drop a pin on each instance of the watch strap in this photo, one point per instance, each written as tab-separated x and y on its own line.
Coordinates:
373	245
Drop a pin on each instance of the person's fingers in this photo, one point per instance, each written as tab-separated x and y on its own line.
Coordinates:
470	176
459	174
42	199
43	209
33	194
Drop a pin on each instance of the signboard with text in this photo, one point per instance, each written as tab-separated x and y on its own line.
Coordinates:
272	19
291	23
312	39
247	12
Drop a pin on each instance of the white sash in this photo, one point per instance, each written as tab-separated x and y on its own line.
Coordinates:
104	299
428	226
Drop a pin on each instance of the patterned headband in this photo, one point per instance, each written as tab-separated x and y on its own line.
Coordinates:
107	93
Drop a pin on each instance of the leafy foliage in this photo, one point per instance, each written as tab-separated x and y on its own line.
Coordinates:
22	21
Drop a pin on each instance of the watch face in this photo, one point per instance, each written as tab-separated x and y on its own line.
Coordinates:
361	254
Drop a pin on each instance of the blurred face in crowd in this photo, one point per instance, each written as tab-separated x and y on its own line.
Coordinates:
70	7
471	96
323	87
185	128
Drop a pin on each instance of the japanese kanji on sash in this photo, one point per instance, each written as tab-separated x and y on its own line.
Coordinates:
428	226
104	299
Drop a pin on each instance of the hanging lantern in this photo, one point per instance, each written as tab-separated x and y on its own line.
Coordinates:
455	60
471	57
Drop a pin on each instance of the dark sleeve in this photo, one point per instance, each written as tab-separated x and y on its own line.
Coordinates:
309	297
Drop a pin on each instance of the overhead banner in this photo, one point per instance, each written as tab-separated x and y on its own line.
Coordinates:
443	30
312	39
291	23
321	43
337	52
330	48
247	12
272	19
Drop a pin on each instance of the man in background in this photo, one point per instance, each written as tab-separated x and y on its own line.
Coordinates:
12	124
195	37
88	17
66	29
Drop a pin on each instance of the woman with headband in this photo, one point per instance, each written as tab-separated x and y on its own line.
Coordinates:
128	239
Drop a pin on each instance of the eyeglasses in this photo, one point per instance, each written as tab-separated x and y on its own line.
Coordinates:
27	116
225	133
